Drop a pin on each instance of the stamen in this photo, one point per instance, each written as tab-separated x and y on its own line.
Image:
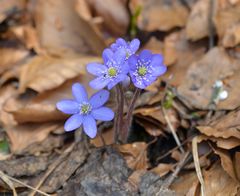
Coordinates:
142	70
112	72
85	108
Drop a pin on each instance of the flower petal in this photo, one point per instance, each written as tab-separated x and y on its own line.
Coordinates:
158	70
96	69
99	98
132	62
125	68
89	126
68	106
134	45
150	80
103	113
99	83
119	78
120	56
107	55
73	122
137	81
121	42
79	92
157	60
126	82
145	55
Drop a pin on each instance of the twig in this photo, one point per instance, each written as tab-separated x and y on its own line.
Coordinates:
52	168
180	165
22	183
197	164
5	178
172	129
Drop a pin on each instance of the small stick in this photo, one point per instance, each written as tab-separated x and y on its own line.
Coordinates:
22	183
5	179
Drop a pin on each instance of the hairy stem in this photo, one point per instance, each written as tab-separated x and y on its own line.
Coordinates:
128	122
116	131
121	108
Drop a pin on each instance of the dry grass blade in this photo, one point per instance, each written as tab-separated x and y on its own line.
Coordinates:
8	182
2	175
197	164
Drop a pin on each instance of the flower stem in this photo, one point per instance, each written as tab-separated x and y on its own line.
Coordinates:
115	126
129	114
119	120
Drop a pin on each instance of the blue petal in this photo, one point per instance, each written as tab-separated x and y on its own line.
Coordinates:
120	56
99	98
132	62
134	45
138	82
79	92
157	60
103	113
96	69
159	70
89	126
125	68
99	83
74	122
150	79
114	47
68	106
126	82
118	79
121	42
145	55
107	55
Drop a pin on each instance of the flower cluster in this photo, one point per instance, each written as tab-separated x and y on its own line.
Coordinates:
120	62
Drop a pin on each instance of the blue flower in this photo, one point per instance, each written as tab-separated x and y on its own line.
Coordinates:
113	71
129	47
145	68
85	111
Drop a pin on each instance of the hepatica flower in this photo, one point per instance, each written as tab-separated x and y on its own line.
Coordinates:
130	48
85	111
113	71
145	68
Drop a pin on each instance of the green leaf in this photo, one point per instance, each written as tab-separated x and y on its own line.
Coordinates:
4	146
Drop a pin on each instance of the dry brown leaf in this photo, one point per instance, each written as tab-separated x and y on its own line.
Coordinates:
197	88
44	73
135	155
42	108
226	162
227	15
161	15
180	53
135	178
10	57
108	136
232	36
150	127
237	165
225	127
114	14
198	22
22	136
155	45
65	30
219	182
186	183
8	7
162	169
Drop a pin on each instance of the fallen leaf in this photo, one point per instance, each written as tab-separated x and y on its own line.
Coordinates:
162	169
150	127
135	155
225	127
114	14
226	162
236	164
108	136
42	107
10	57
65	30
231	37
198	21
197	88
44	73
135	178
22	136
219	182
161	15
